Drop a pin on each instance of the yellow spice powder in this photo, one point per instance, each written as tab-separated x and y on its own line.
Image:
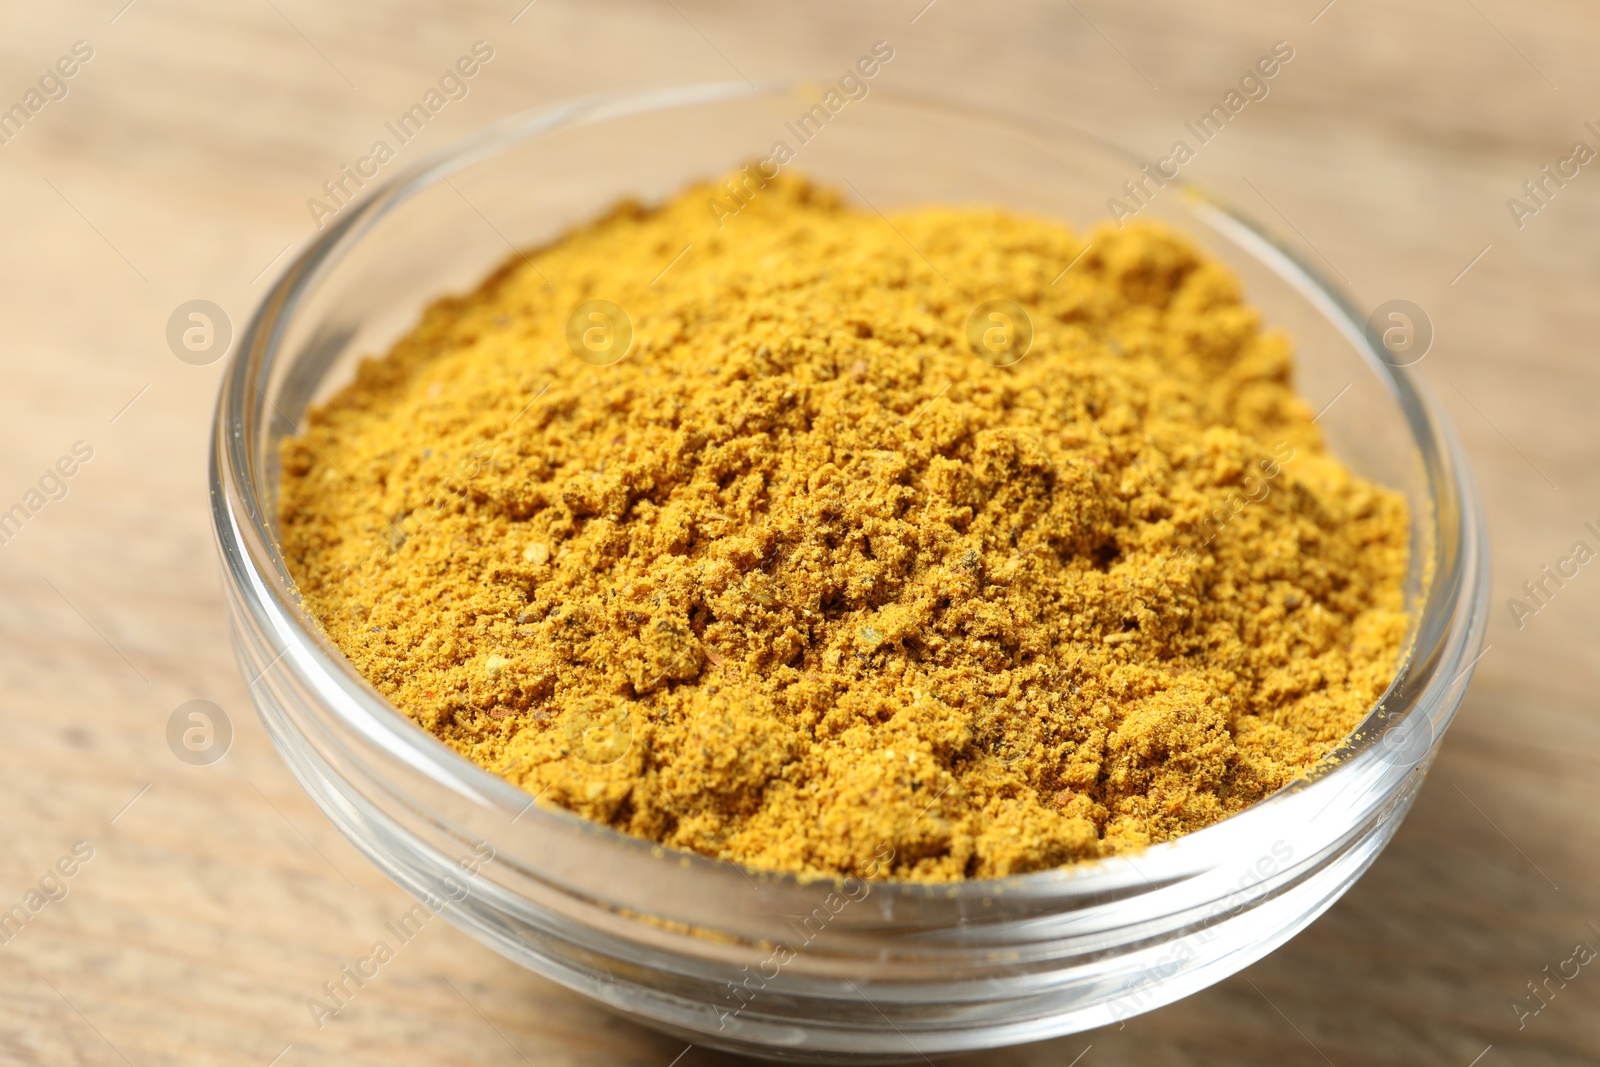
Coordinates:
803	583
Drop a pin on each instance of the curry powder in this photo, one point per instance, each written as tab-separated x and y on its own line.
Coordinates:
803	583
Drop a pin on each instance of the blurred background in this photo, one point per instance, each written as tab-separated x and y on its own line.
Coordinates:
174	164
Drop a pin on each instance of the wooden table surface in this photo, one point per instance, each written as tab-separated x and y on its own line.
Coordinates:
177	166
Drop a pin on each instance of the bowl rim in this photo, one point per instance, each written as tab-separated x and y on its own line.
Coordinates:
1448	624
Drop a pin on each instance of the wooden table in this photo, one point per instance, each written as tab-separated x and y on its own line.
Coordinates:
178	166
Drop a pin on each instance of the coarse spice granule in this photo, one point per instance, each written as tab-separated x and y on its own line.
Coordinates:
802	582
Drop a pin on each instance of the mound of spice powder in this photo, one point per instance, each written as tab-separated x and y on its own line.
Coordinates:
803	582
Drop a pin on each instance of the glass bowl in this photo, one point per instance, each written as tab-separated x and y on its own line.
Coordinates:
768	964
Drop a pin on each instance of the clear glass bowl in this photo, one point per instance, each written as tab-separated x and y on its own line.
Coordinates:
768	964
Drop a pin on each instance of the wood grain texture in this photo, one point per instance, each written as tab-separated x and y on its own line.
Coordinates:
178	166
